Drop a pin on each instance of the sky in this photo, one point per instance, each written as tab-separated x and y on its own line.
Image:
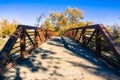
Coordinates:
26	11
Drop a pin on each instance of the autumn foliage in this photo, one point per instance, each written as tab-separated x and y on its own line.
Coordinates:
7	28
61	21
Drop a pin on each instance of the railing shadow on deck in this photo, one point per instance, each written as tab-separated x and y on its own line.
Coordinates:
23	41
57	42
34	68
97	39
100	68
31	63
77	50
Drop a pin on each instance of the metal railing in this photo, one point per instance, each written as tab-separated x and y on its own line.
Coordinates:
97	39
21	43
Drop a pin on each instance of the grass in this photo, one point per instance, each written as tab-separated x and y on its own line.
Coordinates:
2	42
118	41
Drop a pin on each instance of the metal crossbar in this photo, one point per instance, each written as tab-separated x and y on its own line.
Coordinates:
21	43
97	39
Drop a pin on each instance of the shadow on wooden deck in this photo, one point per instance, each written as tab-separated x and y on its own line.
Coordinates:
78	51
100	68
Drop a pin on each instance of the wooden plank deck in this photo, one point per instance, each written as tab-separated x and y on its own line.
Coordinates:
61	59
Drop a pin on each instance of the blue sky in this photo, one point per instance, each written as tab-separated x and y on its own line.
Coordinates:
26	11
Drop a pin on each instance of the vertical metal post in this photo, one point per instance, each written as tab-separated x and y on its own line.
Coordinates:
46	34
70	33
75	34
84	37
42	35
98	42
36	38
22	43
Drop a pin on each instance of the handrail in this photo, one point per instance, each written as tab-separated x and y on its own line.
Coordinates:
97	39
21	43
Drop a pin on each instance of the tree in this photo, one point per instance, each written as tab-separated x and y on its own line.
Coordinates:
70	18
0	33
48	25
74	15
4	27
109	29
116	31
8	28
13	26
38	19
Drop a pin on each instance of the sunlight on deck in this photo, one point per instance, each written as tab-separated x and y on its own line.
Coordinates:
61	59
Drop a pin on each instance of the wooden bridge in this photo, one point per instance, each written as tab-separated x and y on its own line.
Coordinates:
83	53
